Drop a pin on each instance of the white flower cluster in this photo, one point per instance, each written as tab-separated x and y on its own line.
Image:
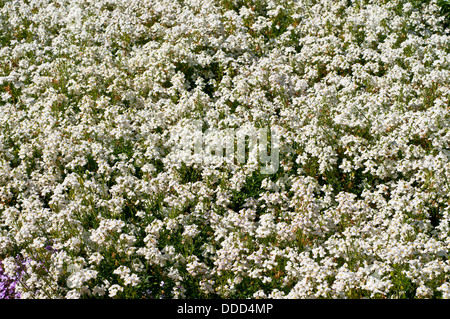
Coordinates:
97	196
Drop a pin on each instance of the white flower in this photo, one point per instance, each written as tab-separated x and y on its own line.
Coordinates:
445	289
132	280
190	231
424	292
114	289
95	258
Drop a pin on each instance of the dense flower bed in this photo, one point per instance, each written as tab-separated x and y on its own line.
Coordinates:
97	95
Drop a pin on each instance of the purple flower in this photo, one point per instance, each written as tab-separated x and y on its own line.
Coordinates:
50	248
8	284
